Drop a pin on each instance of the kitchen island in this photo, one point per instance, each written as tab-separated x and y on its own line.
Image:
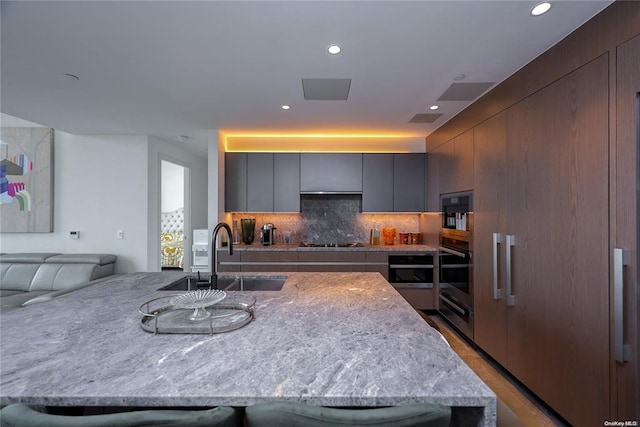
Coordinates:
330	339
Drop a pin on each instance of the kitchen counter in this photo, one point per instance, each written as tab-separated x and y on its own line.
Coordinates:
365	248
331	339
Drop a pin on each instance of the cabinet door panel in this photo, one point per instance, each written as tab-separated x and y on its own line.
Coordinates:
336	261
235	183
627	391
340	172
286	179
260	182
377	182
283	261
558	199
434	160
382	258
446	171
463	162
408	182
489	217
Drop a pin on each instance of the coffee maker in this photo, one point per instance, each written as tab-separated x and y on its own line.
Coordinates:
267	234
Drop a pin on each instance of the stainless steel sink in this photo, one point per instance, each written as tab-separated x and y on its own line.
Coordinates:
254	284
231	283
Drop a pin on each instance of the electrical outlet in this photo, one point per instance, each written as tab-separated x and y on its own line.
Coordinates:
74	235
120	234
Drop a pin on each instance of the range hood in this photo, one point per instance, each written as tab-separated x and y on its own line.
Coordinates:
329	192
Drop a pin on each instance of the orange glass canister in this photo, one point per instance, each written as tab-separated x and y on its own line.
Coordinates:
389	235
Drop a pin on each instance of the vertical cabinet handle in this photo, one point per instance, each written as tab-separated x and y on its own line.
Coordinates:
620	260
510	242
497	293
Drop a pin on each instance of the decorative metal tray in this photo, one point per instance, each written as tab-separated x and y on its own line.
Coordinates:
162	316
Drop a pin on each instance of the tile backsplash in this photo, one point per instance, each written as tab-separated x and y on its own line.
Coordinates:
334	218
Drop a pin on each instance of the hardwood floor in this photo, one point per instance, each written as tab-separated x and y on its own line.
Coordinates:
515	406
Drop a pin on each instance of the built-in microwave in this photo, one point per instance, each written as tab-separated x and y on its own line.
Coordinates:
411	271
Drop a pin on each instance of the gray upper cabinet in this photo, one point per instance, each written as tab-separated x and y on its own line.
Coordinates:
409	182
235	193
393	182
286	182
260	182
331	172
377	182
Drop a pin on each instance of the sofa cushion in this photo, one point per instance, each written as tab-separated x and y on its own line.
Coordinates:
52	272
17	276
34	258
99	259
53	277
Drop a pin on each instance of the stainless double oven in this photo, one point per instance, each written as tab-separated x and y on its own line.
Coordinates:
456	262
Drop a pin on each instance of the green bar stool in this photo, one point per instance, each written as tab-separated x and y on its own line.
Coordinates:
293	414
21	415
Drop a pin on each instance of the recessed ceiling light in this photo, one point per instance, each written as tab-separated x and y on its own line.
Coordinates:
434	107
71	76
459	77
286	107
541	8
334	49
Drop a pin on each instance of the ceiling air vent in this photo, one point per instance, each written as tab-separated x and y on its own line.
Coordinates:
326	89
465	91
425	118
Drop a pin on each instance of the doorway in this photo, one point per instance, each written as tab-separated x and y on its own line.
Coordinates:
174	216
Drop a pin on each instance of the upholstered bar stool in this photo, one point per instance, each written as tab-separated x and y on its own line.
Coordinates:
21	415
293	414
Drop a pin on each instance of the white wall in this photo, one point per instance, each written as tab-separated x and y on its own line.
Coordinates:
172	194
100	186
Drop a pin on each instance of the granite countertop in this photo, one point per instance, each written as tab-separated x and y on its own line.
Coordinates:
296	248
332	339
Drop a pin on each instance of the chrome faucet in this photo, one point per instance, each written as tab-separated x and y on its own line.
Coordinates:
214	250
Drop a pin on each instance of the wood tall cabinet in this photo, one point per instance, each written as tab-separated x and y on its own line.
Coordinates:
450	168
549	193
490	228
626	391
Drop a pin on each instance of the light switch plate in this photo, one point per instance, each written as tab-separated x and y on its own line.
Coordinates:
120	234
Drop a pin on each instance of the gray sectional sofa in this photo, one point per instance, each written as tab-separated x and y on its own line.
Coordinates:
29	278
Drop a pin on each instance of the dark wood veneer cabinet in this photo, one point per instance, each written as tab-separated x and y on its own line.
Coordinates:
381	260
337	261
625	227
269	261
541	179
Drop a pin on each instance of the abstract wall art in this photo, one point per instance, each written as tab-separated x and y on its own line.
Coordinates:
26	180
